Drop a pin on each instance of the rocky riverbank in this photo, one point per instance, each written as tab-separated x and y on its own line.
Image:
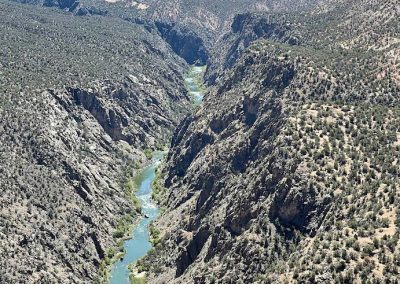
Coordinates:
72	122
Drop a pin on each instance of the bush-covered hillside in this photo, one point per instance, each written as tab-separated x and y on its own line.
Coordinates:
289	172
81	98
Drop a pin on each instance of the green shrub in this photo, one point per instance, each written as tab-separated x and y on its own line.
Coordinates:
154	234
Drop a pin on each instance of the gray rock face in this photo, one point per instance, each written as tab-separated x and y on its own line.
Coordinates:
62	179
288	171
72	127
245	29
211	19
261	179
61	195
227	175
186	43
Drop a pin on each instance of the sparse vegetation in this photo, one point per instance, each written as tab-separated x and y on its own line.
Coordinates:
158	188
80	96
148	153
290	171
137	280
154	234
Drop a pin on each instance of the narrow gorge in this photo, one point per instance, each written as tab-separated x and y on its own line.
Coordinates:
138	245
199	141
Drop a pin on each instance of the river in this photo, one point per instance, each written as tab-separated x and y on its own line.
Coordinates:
138	246
193	86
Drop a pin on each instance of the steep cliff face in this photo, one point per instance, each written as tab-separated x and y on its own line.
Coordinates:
213	18
250	27
289	171
185	42
240	192
312	30
245	29
81	100
192	28
61	196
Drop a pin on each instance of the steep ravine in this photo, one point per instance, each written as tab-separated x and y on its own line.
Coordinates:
289	171
139	243
212	198
79	108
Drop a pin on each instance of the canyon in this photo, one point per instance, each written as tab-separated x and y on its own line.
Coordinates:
283	157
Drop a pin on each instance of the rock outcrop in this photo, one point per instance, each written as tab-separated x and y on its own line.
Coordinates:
211	19
186	43
277	177
289	171
81	101
245	29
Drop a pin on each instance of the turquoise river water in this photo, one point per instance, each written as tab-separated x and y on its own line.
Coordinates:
192	85
137	246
